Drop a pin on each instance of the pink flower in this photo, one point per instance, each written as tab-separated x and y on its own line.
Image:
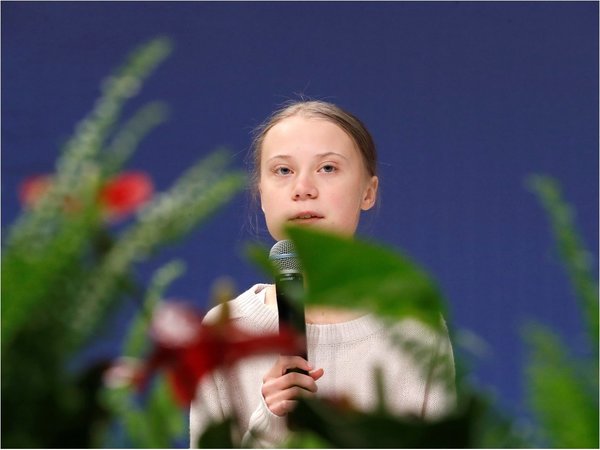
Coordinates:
33	188
123	372
189	349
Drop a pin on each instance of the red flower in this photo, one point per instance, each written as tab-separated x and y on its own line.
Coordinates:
189	349
119	197
126	193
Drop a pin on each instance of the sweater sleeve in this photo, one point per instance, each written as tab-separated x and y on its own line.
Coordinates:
427	370
265	429
440	388
207	408
212	405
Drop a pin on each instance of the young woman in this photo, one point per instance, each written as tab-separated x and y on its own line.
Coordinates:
315	165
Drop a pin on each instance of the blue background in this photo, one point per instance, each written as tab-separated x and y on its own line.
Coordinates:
464	101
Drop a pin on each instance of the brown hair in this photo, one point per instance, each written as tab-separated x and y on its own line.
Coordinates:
322	110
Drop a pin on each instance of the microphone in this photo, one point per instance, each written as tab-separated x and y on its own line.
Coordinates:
289	286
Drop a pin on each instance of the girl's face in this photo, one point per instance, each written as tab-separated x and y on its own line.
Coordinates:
312	174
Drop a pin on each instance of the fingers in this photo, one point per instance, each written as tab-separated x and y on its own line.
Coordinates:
280	402
316	374
288	381
280	390
287	362
282	408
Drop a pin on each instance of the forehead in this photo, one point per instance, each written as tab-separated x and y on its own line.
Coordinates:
298	133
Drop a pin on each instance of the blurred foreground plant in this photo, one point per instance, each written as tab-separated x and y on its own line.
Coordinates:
563	389
562	384
64	268
353	273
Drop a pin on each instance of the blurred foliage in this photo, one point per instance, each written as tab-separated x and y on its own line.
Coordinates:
372	277
562	388
350	273
562	385
337	274
64	268
158	421
476	425
577	260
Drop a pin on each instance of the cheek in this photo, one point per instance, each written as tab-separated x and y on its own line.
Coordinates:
268	200
271	206
347	209
348	197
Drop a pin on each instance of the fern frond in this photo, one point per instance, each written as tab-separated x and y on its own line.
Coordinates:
77	169
126	140
137	336
577	260
171	215
562	391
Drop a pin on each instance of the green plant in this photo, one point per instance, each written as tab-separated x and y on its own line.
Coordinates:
563	386
158	421
393	287
64	268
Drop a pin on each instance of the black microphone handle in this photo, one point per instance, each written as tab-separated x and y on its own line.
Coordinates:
289	286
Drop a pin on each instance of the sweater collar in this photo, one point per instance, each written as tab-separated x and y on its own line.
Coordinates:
252	304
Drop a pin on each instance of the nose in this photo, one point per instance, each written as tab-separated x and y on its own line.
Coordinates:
304	189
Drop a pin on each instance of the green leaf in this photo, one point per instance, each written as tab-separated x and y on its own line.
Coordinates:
38	281
343	428
193	199
126	141
137	336
217	435
306	439
562	392
77	168
166	418
577	260
350	273
476	425
259	255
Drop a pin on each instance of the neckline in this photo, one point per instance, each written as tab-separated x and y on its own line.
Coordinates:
252	304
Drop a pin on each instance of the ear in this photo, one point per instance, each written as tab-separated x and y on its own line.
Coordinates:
370	193
260	197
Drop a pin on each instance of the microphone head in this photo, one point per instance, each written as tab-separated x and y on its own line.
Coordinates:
284	257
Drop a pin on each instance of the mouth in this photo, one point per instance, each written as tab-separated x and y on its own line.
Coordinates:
306	217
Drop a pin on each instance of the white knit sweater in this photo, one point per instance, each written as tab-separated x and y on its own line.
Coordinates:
348	352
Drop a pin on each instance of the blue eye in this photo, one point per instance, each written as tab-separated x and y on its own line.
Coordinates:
282	171
328	168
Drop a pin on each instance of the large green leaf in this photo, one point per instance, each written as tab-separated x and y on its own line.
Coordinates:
475	425
351	273
343	428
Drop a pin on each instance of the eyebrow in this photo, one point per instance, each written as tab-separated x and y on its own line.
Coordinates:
319	155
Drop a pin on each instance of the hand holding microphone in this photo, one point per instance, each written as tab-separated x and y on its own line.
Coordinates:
289	286
291	376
